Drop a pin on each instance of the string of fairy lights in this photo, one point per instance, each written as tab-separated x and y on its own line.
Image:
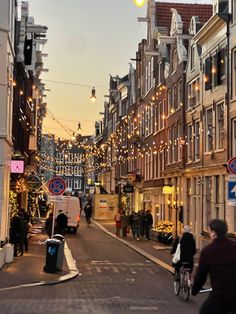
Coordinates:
133	127
131	130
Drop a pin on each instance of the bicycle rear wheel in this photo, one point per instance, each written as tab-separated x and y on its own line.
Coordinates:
177	283
185	289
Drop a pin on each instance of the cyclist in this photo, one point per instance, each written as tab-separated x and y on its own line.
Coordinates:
218	259
187	249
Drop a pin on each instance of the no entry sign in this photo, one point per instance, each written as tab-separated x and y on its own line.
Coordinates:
57	186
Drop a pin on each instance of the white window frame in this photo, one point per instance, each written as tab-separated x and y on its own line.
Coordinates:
209	138
196	137
77	184
220	108
233	128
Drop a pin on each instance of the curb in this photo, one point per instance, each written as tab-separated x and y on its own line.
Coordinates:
135	248
73	272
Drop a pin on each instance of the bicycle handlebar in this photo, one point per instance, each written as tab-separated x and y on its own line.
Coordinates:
205	290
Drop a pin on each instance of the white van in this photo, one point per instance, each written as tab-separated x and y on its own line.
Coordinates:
70	206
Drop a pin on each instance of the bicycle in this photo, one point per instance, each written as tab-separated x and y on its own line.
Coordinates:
182	281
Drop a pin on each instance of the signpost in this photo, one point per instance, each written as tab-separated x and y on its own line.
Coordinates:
57	186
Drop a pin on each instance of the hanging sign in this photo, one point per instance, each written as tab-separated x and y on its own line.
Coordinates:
33	181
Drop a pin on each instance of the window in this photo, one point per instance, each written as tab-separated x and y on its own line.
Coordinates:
175	143
192	60
169	147
77	184
180	93
189	142
77	171
149	75
162	114
179	140
146	79
209	130
175	98
208	77
174	60
234	72
156	118
233	126
219	125
160	72
152	73
169	101
196	140
68	183
193	93
77	158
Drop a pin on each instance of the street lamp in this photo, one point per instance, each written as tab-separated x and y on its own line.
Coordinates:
139	3
93	97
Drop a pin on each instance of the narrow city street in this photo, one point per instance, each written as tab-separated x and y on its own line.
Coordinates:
112	279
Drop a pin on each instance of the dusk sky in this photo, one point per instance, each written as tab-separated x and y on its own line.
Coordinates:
87	41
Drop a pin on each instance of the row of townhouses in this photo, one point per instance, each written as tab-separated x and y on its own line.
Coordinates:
22	111
169	126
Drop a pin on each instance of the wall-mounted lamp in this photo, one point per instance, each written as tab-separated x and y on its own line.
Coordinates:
174	203
93	97
168	202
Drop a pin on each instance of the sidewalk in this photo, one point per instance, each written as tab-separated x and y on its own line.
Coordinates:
157	252
27	270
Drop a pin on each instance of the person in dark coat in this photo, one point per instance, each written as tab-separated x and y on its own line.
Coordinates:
15	231
61	223
187	249
218	260
88	212
148	221
48	225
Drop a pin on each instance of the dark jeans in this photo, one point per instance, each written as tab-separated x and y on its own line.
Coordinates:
211	306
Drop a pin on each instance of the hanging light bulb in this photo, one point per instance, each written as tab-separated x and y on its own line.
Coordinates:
139	3
93	97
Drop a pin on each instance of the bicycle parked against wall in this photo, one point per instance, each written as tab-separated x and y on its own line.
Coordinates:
182	281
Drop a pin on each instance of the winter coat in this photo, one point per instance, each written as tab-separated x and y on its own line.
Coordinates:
218	259
187	248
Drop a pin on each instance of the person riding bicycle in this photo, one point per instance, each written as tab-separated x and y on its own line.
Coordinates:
187	249
218	260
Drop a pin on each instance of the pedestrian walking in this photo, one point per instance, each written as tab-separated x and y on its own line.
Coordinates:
117	220
88	211
48	225
148	221
15	230
61	223
124	223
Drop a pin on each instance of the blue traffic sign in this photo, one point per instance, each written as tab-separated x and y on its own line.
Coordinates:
231	165
57	186
232	191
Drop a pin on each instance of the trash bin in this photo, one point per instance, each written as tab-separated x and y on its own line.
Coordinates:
52	248
60	255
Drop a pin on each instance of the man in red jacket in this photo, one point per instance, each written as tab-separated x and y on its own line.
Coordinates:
218	259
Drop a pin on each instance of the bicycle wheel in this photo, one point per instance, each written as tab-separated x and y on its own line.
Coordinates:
185	289
177	283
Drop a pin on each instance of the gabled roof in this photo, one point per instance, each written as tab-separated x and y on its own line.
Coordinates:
186	11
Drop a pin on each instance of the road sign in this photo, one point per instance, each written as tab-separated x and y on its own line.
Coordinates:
57	186
33	182
231	165
232	191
